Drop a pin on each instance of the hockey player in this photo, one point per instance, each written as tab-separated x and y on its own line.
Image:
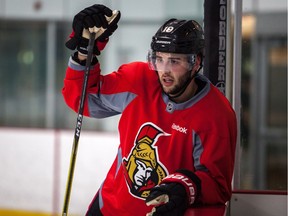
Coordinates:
177	131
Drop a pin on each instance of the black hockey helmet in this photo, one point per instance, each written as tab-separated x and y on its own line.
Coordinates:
179	36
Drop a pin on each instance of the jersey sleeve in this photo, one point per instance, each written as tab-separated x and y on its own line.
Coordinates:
218	142
73	83
107	95
219	163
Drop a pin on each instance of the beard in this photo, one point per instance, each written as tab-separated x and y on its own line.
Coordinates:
179	87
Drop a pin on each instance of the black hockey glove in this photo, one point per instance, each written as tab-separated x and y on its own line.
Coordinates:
174	194
97	18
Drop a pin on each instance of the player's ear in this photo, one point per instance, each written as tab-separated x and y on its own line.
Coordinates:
198	62
198	59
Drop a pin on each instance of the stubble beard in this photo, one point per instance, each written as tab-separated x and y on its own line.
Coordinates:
175	89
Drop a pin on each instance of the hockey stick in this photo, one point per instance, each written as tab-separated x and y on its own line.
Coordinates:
93	34
78	125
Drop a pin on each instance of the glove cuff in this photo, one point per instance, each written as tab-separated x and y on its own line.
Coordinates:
83	62
192	185
83	47
81	44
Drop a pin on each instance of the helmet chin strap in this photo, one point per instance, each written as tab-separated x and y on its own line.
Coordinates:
182	90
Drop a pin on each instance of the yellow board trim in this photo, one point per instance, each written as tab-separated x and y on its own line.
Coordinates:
10	212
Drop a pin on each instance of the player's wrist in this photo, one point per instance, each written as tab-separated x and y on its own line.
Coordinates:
81	59
81	56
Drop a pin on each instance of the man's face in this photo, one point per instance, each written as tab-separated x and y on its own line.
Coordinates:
173	71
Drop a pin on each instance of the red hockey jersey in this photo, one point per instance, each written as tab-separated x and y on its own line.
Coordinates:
157	136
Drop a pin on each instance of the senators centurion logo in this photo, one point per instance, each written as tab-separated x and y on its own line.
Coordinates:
143	170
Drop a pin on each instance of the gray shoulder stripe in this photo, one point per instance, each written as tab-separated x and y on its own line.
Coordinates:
101	105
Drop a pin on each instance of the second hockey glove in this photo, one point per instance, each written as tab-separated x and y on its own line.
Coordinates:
174	194
93	17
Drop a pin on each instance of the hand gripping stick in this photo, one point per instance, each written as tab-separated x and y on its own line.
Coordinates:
101	30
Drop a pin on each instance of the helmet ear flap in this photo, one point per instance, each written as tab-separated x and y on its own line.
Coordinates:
191	60
151	59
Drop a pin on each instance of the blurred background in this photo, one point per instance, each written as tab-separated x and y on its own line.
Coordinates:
37	128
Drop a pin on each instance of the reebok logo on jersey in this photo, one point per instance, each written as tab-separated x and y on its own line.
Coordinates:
180	129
